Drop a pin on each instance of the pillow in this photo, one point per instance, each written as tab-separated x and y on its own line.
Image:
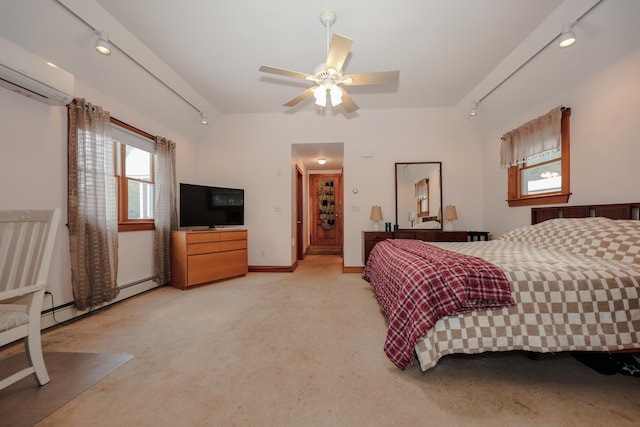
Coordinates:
427	224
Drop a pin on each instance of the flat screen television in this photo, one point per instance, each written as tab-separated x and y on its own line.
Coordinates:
202	205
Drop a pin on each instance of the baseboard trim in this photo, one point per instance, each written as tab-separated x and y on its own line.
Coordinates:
273	268
350	269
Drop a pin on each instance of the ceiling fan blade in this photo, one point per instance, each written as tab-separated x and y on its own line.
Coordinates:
347	102
374	78
338	52
304	95
282	72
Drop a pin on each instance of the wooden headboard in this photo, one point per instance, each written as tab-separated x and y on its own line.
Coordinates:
613	211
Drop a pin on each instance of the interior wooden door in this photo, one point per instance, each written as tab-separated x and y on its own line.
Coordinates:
325	194
299	215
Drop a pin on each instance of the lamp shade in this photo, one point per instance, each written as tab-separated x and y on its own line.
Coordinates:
376	213
450	213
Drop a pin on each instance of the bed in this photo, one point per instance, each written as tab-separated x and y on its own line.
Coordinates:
573	284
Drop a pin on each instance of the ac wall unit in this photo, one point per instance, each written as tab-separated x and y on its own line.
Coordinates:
23	72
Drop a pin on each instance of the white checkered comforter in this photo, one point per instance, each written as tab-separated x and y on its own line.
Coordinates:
576	283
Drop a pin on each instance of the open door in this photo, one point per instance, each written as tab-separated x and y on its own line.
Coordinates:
299	215
325	201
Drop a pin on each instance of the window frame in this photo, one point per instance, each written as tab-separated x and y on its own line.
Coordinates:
122	181
514	175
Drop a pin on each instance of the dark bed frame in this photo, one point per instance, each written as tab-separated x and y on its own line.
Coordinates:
613	211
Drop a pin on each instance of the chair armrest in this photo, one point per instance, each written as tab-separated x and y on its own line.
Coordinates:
13	293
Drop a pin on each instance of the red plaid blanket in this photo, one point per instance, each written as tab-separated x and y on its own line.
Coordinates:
417	284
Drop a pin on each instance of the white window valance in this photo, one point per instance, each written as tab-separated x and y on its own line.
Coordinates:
421	189
533	140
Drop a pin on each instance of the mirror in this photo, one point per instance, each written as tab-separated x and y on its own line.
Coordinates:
419	195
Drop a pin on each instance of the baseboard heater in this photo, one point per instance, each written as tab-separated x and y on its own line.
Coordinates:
72	313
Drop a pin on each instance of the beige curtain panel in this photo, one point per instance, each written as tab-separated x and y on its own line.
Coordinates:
165	208
92	205
535	139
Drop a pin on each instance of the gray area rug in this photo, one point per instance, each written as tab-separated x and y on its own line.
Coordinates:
25	403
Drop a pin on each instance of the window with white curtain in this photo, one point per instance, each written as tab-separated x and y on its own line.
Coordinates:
537	157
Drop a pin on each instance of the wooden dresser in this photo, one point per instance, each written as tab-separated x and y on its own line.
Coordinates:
370	238
199	257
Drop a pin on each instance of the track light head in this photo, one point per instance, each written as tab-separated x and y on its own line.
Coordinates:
102	44
203	118
473	111
568	37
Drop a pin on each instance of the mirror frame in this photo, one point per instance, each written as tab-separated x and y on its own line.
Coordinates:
401	164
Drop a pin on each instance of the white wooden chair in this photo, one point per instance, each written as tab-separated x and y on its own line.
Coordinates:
26	247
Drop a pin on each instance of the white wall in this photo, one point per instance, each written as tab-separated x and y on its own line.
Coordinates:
605	144
253	151
33	171
33	175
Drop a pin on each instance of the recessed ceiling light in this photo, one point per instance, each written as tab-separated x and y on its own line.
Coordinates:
322	161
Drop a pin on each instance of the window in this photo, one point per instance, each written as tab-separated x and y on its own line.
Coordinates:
421	191
542	177
133	154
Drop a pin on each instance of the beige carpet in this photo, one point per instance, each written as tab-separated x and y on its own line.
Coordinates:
305	349
25	403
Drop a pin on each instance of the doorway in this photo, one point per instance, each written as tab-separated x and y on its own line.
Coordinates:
315	234
325	204
299	215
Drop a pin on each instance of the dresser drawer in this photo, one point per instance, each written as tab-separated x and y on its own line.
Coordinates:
233	235
377	236
216	266
233	245
200	237
203	248
452	236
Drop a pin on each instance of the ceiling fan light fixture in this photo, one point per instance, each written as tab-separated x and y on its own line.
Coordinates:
320	94
336	95
568	37
102	44
330	73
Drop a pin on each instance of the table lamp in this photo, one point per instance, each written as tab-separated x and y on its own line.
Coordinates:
449	216
376	217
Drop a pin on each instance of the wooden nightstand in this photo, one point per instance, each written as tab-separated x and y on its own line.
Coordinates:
370	238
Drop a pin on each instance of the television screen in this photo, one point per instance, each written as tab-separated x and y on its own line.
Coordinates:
201	205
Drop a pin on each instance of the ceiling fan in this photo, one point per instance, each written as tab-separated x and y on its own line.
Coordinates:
328	77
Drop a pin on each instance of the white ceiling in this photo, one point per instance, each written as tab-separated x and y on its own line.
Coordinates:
448	52
441	48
